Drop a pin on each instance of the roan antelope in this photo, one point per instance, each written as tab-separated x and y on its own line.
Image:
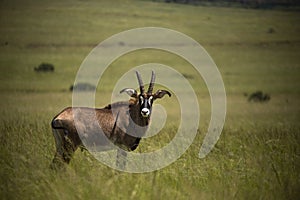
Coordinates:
119	123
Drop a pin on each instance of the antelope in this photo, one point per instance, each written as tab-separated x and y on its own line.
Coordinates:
122	123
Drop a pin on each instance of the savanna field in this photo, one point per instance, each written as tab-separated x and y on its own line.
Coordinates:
258	153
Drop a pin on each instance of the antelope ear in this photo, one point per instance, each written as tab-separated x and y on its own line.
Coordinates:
160	93
131	92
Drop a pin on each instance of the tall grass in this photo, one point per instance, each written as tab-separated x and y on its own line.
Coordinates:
257	156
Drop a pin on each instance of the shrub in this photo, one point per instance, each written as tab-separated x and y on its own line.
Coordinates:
82	87
259	96
44	67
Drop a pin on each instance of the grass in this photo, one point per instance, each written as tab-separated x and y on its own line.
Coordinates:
257	156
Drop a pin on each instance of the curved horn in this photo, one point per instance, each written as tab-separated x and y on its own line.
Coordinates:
150	89
141	84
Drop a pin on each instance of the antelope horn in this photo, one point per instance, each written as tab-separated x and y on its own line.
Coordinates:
150	89
141	84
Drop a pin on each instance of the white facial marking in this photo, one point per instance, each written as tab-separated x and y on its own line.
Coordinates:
142	99
145	112
150	100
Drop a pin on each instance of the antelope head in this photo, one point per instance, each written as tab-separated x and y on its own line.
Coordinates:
145	99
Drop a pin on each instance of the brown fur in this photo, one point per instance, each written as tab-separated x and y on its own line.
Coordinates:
121	124
67	138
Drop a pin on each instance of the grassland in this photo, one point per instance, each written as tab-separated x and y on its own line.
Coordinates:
258	154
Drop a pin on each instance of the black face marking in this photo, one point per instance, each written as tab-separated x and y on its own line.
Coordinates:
145	105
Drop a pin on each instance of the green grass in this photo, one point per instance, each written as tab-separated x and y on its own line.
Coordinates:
258	154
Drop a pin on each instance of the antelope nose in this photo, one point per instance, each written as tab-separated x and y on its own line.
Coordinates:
145	112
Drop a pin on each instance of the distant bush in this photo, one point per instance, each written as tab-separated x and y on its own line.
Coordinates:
259	96
82	87
44	67
271	30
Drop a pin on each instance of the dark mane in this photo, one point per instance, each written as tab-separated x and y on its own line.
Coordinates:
117	104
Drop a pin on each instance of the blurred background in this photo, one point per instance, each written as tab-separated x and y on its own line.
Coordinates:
256	46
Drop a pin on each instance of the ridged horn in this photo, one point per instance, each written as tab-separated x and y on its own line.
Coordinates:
141	84
150	89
